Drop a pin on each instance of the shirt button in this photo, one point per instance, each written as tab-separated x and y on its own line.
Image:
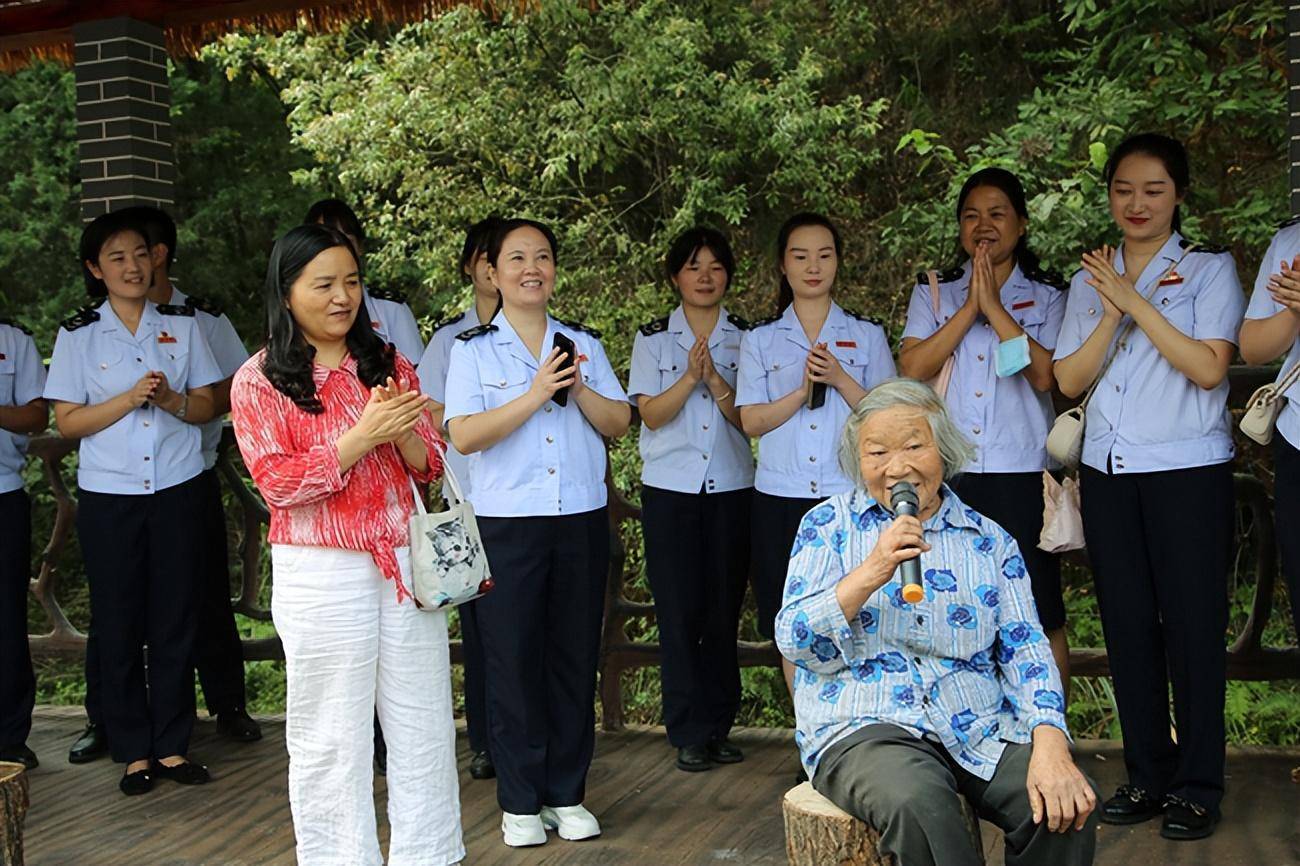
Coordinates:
920	620
980	357
139	360
704	457
103	366
1117	389
812	459
550	471
674	366
548	408
916	660
706	426
1092	311
146	423
501	384
705	396
1164	300
146	460
550	440
812	426
975	430
979	393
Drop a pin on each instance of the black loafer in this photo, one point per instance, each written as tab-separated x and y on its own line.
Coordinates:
20	754
1185	820
694	759
724	751
1130	805
481	766
92	744
239	726
187	773
137	783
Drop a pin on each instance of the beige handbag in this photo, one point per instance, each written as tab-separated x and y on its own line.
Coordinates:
1062	517
940	382
1065	439
1260	419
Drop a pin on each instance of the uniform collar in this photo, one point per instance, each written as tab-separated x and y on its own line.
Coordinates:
150	322
1015	279
835	319
678	325
1172	251
320	373
952	512
505	335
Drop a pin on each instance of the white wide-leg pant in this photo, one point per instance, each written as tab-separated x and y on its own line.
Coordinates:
350	647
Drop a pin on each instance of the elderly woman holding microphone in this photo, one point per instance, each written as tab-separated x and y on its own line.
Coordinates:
334	430
905	706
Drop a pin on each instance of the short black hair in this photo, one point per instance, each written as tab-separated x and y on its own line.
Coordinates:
688	245
159	227
505	227
784	292
1169	151
335	213
477	240
1014	190
98	232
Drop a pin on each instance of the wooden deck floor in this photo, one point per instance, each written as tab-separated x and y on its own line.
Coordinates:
651	813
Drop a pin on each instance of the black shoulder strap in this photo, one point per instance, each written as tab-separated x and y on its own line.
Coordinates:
476	332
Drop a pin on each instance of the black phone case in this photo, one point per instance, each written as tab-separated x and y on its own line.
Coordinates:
817	395
564	344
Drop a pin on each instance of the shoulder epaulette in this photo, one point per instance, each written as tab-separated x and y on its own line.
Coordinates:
1196	247
439	325
1048	277
1288	223
649	329
476	332
175	310
387	295
923	277
854	314
579	326
81	318
740	323
767	320
11	323
212	308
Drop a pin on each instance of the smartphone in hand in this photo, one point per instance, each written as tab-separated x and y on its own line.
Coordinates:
565	345
816	395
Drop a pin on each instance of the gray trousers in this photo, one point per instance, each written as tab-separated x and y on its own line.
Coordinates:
910	790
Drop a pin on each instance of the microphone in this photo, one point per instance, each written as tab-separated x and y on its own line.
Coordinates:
904	501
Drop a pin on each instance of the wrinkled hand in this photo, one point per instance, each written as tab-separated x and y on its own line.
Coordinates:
1058	791
550	378
823	366
902	540
1117	292
1284	286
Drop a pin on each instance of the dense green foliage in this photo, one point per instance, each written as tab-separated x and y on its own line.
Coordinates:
626	124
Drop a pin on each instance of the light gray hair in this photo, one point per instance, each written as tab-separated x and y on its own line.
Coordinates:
955	450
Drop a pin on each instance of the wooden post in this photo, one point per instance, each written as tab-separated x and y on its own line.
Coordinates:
819	833
13	809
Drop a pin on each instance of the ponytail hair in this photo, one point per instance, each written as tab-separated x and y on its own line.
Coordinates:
1169	151
784	293
1009	184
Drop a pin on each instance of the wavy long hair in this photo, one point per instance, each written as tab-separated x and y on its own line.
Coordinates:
288	360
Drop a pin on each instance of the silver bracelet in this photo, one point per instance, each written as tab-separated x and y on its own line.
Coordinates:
185	405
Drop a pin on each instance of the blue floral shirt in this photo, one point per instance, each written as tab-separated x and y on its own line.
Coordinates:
969	665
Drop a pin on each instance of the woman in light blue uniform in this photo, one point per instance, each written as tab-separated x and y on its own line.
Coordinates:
1156	481
531	418
999	314
390	315
697	481
132	381
801	372
1272	329
432	372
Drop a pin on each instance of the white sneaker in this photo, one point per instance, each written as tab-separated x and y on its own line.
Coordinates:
520	831
572	822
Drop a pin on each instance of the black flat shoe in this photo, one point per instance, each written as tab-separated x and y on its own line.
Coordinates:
481	766
20	754
694	759
187	773
239	726
1130	805
137	783
724	751
92	744
1185	820
801	776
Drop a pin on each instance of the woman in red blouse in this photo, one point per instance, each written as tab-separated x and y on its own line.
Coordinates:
333	428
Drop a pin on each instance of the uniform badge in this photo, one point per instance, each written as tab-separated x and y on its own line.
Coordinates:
1022	305
846	344
583	358
1173	278
165	337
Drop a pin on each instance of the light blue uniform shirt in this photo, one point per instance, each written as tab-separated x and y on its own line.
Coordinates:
22	380
699	449
393	320
229	353
798	459
553	463
1285	247
148	449
432	371
1146	416
1004	417
968	664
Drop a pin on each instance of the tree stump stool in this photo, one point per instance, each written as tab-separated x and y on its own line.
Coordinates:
13	809
819	833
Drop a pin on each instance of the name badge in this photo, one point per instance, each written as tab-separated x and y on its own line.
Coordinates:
1022	305
846	344
165	337
582	357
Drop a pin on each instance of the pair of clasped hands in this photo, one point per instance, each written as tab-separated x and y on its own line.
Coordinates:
391	413
1118	294
152	387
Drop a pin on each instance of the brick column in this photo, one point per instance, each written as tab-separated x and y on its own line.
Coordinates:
124	136
1293	100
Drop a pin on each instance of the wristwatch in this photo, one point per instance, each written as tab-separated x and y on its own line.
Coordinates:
185	404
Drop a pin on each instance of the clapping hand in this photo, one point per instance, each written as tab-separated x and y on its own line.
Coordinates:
1117	292
391	413
1284	287
551	378
983	285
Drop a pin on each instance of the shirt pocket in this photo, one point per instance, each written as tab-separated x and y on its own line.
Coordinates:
111	370
853	359
784	374
1030	318
501	387
670	369
175	361
1178	307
